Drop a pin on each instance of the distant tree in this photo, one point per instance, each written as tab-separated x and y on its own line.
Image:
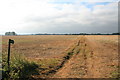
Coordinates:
10	33
115	33
98	33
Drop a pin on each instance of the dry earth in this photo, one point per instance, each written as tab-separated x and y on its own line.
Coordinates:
97	58
93	56
39	46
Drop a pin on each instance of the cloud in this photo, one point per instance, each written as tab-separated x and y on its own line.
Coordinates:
38	16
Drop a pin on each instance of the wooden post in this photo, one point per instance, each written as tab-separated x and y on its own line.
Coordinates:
8	55
10	41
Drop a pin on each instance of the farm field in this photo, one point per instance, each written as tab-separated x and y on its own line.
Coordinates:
98	58
65	56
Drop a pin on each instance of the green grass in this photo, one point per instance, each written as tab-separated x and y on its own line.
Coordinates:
46	63
19	68
116	72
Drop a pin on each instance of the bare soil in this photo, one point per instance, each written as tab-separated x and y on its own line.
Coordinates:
96	59
69	56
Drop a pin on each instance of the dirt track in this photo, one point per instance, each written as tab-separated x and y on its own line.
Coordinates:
95	60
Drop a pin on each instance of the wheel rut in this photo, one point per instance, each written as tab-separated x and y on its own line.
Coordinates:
87	58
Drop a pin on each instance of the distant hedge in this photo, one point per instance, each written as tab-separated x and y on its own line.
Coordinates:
10	33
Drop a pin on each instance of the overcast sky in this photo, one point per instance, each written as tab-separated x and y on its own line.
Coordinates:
58	16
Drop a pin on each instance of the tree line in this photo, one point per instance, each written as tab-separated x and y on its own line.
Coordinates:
82	34
13	33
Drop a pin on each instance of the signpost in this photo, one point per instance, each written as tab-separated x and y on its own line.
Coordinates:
10	41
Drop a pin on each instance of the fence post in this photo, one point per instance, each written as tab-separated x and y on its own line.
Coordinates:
10	41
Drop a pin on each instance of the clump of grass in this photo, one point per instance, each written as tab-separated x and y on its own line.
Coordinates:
116	73
19	68
48	66
48	63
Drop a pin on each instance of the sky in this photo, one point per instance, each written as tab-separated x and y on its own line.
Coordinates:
58	16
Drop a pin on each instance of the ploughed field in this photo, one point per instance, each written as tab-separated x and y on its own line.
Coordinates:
65	56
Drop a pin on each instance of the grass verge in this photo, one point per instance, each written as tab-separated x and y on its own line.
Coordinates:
19	68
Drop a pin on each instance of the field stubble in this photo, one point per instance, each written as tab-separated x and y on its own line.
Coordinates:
45	50
94	54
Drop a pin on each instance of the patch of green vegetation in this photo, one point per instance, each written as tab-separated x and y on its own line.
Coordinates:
19	68
48	63
116	73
